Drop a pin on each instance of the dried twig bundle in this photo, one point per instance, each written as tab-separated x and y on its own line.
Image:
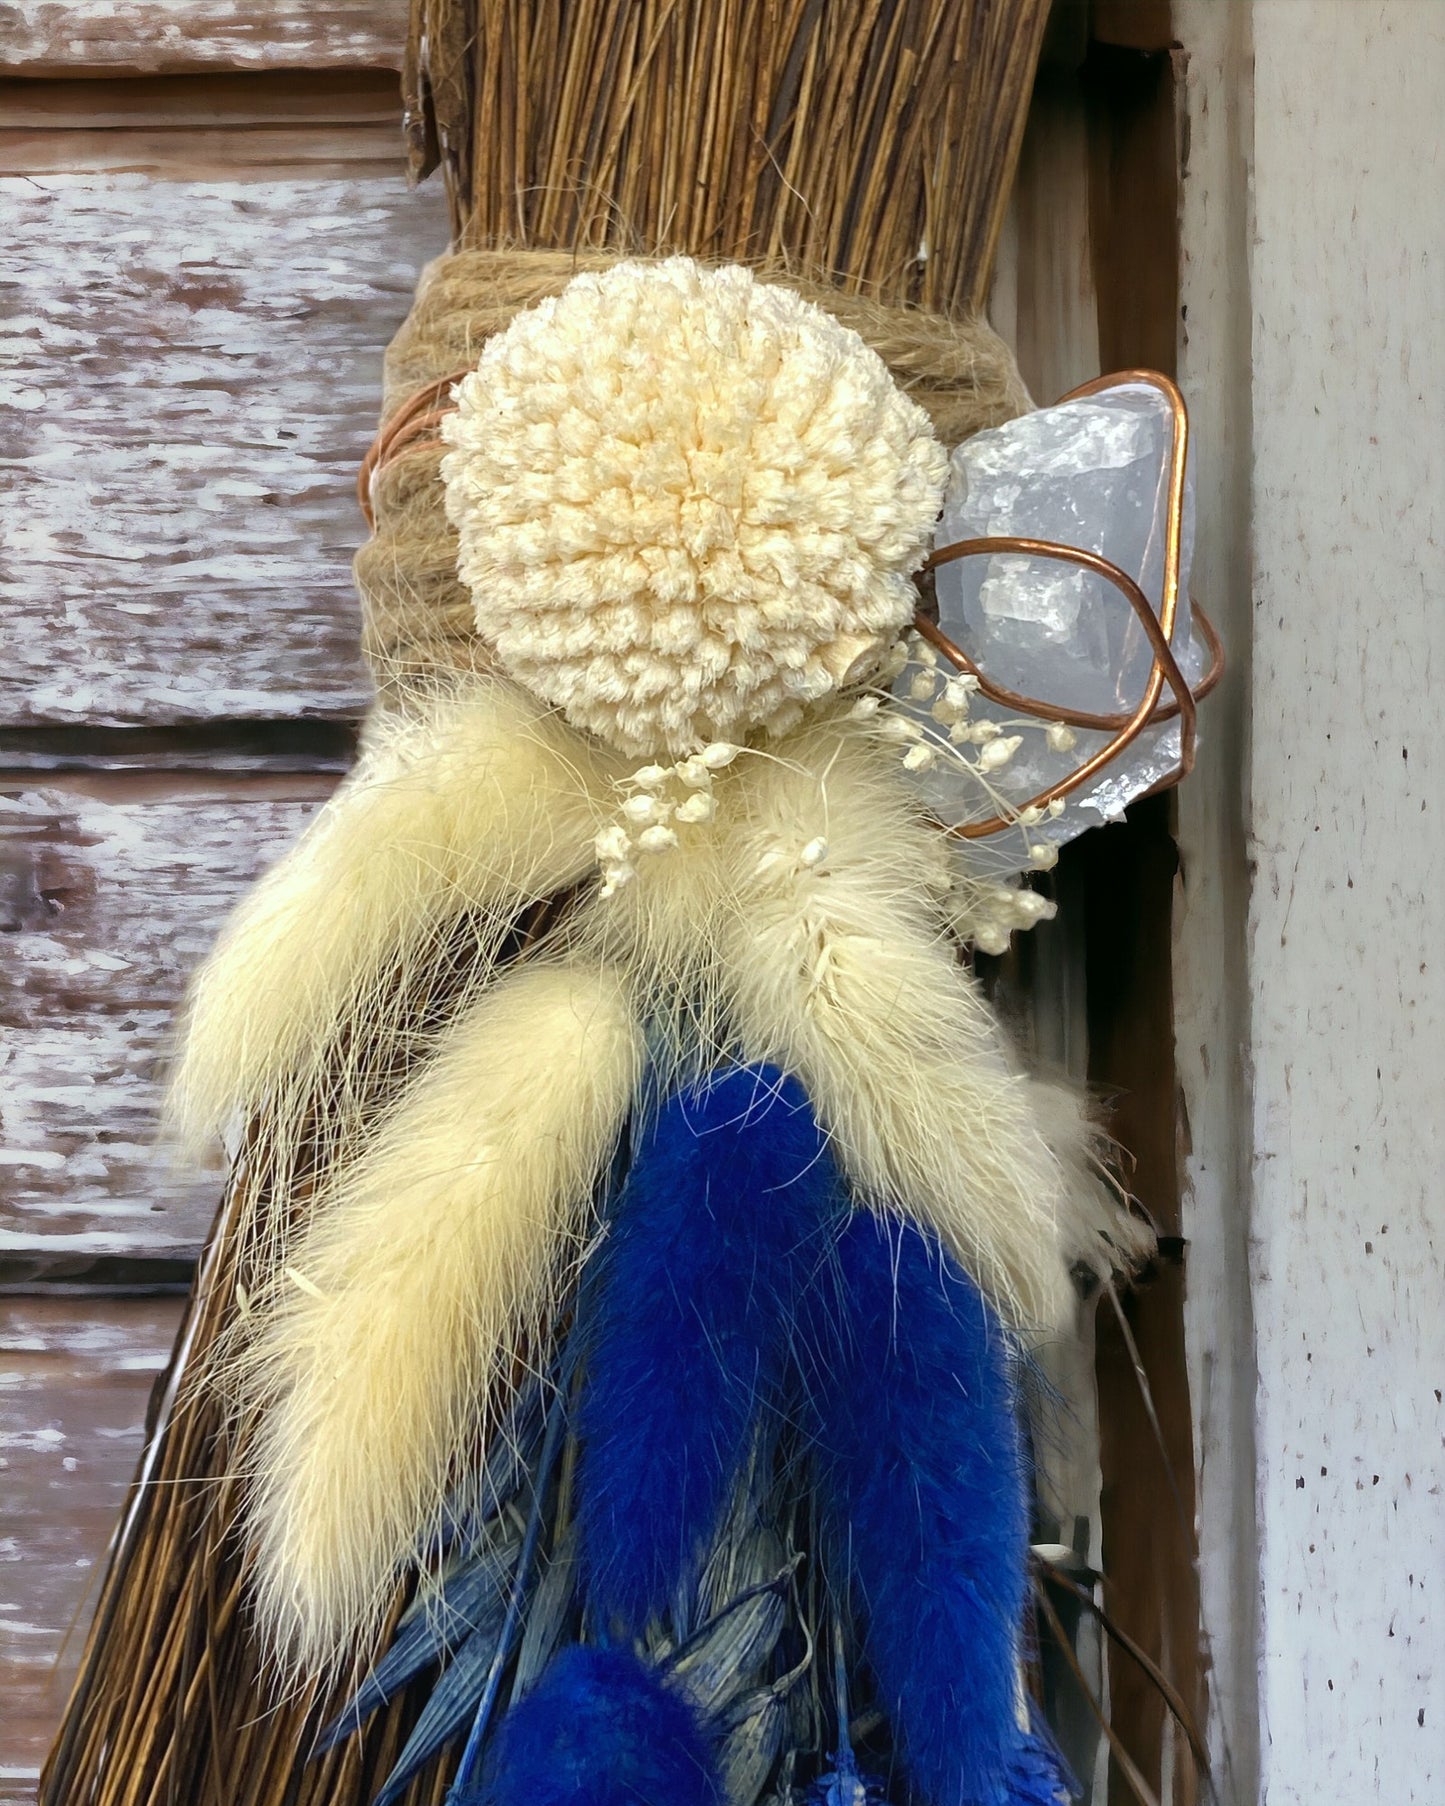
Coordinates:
871	142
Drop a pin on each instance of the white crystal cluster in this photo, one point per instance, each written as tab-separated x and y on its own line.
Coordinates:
1093	474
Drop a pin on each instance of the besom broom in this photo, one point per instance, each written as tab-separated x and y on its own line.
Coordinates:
515	1094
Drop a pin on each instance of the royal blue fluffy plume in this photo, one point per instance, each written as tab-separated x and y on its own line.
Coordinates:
1038	1775
601	1729
730	1202
922	1495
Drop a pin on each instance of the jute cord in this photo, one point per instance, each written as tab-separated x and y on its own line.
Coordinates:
418	626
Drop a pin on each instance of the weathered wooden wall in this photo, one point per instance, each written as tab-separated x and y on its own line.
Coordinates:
205	254
99	37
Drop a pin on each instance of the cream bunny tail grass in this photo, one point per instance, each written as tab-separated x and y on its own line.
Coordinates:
385	1351
1101	1232
840	971
487	803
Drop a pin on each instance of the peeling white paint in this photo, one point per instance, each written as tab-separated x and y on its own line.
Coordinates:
144	885
138	35
180	514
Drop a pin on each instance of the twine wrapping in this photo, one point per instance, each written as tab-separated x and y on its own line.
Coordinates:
417	616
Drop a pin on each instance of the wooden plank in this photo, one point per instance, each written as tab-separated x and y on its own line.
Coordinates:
75	1379
1211	1003
196	372
99	37
339	123
114	888
1146	1438
291	97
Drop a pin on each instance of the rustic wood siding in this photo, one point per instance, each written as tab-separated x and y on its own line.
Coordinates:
111	898
48	37
75	1381
201	271
197	373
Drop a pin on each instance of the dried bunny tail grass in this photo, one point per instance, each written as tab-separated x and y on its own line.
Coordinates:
386	1348
840	971
485	804
803	925
1101	1231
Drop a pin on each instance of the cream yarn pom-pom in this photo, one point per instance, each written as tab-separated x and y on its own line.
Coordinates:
689	503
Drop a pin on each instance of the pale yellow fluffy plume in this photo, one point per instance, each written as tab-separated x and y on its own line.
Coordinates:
383	1355
805	924
839	971
488	803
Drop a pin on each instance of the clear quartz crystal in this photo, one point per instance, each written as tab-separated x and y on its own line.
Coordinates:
1092	473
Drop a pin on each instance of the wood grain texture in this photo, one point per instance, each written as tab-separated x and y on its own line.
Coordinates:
196	372
75	1379
52	37
1150	1550
1211	1005
112	892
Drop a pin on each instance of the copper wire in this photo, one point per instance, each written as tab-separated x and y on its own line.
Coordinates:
413	428
1158	629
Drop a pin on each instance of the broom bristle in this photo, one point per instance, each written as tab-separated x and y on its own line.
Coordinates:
871	143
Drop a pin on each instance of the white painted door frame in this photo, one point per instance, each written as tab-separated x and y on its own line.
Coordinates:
1310	967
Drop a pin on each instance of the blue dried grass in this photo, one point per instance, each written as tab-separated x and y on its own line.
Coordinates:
729	1202
922	1493
601	1729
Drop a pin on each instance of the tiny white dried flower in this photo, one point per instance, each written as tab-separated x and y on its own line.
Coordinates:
814	853
1061	737
694	773
924	654
657	839
961	734
959	689
922	685
614	876
984	731
613	843
719	754
1030	817
863	708
1029	907
919	757
1044	857
644	808
697	807
648	777
998	752
991	937
894	660
1056	807
946	713
900	727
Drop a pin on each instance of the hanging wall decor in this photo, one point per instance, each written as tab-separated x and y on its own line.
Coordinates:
604	1381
